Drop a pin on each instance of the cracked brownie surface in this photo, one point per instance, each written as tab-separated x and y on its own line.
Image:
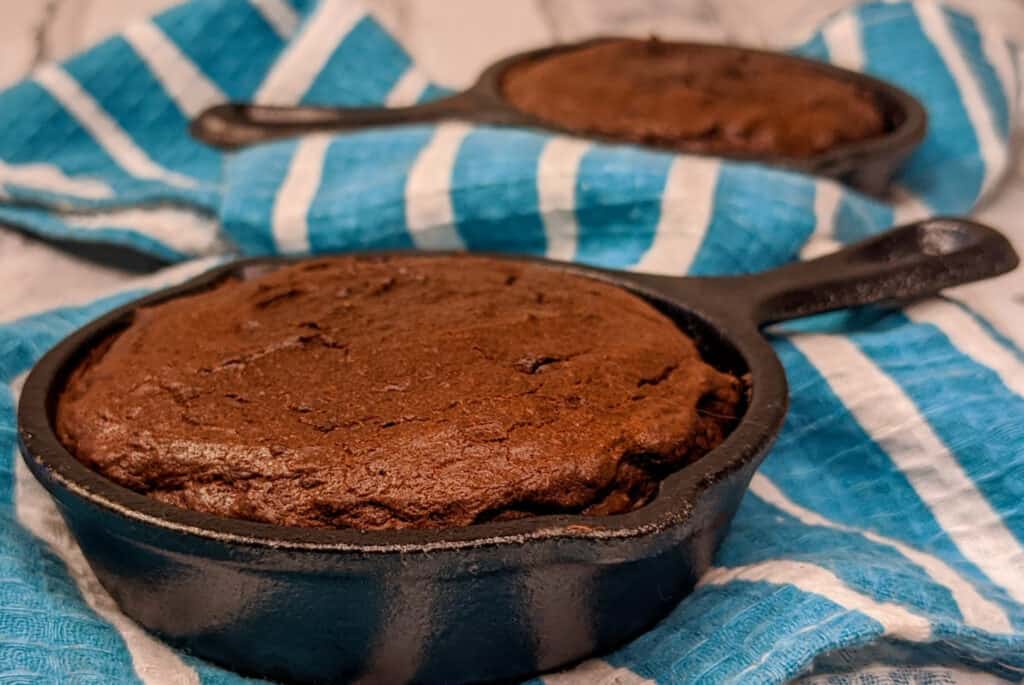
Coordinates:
694	98
397	392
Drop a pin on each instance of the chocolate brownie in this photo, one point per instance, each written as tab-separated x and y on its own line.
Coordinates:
397	392
694	98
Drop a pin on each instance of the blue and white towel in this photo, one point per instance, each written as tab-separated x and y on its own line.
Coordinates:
889	518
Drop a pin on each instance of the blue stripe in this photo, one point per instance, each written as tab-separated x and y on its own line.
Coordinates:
303	7
809	468
361	199
966	404
62	142
721	631
878	571
618	203
252	179
8	442
969	44
137	101
859	217
761	219
494	191
228	40
49	634
362	70
434	92
946	170
992	331
815	48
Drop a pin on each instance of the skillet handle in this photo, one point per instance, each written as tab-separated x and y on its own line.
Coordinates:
903	263
236	124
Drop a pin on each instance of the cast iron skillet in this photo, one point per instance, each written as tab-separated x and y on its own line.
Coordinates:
490	602
867	165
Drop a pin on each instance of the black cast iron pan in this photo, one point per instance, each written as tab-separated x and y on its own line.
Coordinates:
867	165
490	602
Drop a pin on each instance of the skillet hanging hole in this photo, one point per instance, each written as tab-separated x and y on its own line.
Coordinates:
938	238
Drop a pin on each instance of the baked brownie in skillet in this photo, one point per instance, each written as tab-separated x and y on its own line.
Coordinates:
398	392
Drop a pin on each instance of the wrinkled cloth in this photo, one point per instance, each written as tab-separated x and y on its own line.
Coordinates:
888	517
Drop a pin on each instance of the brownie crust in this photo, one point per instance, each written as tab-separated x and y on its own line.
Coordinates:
397	392
694	98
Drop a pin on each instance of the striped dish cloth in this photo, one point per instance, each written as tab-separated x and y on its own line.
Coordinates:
887	525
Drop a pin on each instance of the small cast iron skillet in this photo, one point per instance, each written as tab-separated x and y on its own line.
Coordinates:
867	165
490	602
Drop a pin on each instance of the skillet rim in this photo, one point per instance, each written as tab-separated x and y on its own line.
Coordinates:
65	477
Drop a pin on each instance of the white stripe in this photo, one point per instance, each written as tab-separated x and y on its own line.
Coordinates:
179	76
976	610
999	303
886	413
999	54
596	672
895	619
52	178
907	206
103	128
279	14
181	228
154	662
408	89
842	36
968	336
557	169
290	220
826	203
171	275
992	150
685	214
300	64
428	203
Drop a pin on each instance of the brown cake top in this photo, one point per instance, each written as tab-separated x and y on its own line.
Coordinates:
394	392
693	97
